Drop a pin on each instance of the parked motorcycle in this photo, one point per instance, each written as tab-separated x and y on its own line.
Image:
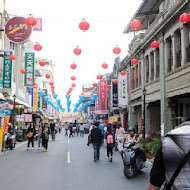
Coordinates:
9	140
132	162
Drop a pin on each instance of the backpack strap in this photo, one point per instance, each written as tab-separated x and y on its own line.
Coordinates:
177	171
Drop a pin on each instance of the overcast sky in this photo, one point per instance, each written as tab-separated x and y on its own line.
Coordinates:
61	34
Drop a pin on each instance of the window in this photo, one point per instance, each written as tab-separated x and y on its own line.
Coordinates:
157	63
152	65
12	46
170	54
139	74
178	48
147	68
132	78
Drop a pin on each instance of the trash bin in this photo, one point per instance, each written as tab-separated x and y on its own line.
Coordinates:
19	135
24	134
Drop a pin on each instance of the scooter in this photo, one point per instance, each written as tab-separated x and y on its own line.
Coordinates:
10	141
132	163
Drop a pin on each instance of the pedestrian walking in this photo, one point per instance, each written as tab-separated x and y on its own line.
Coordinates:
102	127
45	136
109	137
66	126
53	130
71	129
96	139
171	164
39	133
31	133
78	129
120	133
81	130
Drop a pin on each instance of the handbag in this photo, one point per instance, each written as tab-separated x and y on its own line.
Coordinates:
176	173
30	134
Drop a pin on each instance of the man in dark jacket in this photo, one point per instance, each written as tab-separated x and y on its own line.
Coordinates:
96	137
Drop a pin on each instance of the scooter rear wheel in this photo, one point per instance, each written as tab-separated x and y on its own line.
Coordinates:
128	172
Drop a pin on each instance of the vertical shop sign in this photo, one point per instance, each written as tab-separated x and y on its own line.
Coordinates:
29	67
103	95
35	98
114	96
7	70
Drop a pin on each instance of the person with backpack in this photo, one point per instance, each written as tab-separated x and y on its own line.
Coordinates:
109	137
172	160
96	139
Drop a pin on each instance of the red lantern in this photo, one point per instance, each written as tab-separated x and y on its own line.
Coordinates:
122	73
104	65
73	78
134	61
96	92
52	87
12	57
115	81
90	88
84	25
184	18
99	77
53	91
94	85
31	21
34	83
29	78
155	44
35	86
73	66
37	47
77	51
82	93
42	63
135	24
71	89
116	50
73	85
48	76
67	93
39	89
23	71
85	91
108	86
51	83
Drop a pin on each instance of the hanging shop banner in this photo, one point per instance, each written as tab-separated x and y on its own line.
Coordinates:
30	91
122	91
29	67
103	95
20	117
28	117
38	26
35	98
7	70
44	103
17	31
114	96
5	109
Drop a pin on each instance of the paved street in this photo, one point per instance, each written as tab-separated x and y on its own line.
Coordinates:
68	165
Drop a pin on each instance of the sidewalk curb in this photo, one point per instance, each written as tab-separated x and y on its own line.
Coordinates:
18	144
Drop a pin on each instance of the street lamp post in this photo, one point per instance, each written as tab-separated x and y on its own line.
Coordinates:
14	98
144	98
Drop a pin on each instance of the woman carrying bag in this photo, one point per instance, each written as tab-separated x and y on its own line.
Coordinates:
45	136
31	133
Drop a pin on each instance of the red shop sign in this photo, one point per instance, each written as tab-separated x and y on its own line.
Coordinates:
17	31
103	95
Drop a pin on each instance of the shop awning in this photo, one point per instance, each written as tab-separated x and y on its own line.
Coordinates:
2	98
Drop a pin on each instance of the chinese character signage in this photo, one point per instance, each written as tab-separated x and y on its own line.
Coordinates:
38	26
30	91
35	98
114	95
44	104
17	31
29	67
20	117
122	91
103	94
5	109
7	70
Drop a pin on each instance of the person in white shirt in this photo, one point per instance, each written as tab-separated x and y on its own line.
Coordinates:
81	130
119	136
66	126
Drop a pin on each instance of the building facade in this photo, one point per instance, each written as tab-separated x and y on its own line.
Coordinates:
163	73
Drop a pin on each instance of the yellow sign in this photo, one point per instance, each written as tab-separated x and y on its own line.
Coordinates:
113	119
1	137
35	98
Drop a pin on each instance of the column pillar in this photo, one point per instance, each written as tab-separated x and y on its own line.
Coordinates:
149	58
155	60
184	43
174	44
166	52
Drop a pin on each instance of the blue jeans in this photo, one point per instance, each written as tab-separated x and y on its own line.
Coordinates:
96	151
82	133
39	142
